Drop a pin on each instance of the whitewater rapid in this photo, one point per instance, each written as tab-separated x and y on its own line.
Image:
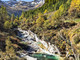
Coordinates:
37	44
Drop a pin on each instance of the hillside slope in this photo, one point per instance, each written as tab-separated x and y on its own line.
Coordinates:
48	22
57	22
18	7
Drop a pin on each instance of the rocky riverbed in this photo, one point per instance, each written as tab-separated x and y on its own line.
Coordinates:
36	45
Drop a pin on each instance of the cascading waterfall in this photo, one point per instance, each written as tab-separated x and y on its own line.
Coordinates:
37	44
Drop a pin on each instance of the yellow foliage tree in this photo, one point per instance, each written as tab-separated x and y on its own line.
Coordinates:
10	51
45	11
75	7
7	25
40	21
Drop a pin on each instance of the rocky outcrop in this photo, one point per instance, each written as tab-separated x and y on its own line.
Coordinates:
17	7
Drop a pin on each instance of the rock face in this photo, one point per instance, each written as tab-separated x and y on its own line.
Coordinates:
13	0
35	44
10	11
16	7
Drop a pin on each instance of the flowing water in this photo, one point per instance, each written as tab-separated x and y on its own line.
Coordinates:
37	45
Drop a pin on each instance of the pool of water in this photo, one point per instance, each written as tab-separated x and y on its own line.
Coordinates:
41	56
